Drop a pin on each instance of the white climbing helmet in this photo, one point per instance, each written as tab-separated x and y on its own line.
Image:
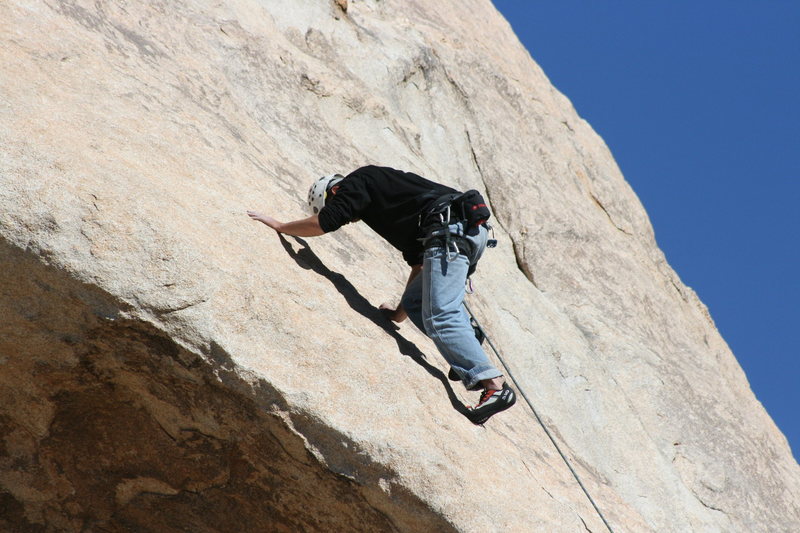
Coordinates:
319	191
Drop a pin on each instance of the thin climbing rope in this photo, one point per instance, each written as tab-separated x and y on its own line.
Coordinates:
538	418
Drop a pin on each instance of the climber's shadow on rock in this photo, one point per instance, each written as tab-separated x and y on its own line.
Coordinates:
307	259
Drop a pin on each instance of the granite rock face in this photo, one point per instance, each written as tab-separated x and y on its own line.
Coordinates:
166	364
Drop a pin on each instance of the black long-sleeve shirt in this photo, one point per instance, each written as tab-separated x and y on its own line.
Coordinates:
389	201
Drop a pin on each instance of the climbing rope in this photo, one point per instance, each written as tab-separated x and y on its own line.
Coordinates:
538	418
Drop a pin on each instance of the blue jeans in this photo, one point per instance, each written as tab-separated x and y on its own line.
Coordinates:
433	301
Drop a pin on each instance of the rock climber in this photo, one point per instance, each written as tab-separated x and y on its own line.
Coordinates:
436	229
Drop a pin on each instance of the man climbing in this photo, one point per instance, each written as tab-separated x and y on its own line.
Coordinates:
442	233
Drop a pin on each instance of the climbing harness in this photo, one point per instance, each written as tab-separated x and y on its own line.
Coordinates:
443	232
479	328
450	219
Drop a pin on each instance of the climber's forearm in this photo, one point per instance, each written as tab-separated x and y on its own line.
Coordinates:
306	227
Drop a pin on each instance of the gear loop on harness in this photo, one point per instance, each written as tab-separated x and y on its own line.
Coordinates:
448	240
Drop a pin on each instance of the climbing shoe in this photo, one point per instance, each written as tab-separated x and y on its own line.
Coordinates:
492	402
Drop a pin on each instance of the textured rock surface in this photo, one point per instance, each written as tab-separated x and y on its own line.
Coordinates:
168	365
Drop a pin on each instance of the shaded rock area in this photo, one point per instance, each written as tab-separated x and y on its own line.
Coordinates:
166	364
109	424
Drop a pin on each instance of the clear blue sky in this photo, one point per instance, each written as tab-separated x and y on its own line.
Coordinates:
698	102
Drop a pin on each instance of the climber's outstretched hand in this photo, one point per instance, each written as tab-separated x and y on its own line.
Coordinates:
306	227
269	221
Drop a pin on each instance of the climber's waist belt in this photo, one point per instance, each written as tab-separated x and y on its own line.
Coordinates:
455	244
448	236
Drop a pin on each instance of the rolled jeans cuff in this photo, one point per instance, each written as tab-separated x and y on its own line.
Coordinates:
478	374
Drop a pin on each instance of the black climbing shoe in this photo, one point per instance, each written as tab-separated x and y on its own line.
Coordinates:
492	402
